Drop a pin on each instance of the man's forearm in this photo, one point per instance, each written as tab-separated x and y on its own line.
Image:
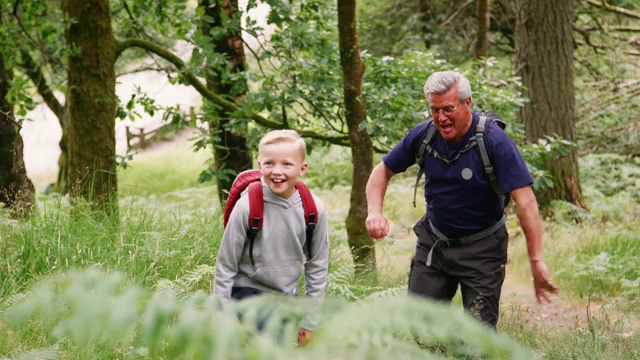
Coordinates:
532	227
376	188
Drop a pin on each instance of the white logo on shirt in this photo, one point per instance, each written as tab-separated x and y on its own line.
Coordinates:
467	173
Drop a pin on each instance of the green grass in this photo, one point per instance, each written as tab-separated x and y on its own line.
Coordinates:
601	338
155	239
173	168
168	225
597	257
592	261
159	256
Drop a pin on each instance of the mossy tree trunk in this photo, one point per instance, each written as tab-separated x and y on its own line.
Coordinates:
91	101
230	151
16	190
544	57
362	247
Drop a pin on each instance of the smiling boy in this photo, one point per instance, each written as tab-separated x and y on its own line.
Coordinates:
280	249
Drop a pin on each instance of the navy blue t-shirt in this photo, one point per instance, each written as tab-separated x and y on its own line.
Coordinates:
460	199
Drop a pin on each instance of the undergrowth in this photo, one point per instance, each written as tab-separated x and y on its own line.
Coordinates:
138	286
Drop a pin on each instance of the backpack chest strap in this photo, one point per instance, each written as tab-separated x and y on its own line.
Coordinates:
425	148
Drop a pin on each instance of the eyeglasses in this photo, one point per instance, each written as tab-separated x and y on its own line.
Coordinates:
446	110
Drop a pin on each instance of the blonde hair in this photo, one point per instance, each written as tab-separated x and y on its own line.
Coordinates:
283	136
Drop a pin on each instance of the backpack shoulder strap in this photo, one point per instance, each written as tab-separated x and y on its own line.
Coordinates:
310	213
486	155
426	139
256	214
239	184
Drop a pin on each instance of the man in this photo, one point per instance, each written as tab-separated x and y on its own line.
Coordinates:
462	239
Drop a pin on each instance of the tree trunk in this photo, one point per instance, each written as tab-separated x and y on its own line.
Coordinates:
34	71
424	11
362	247
16	190
544	58
63	160
483	17
91	101
231	152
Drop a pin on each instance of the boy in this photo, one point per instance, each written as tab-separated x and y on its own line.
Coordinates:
280	249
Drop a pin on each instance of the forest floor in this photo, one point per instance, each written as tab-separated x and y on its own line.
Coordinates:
518	302
561	315
519	307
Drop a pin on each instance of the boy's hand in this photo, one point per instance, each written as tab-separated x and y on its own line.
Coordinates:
304	336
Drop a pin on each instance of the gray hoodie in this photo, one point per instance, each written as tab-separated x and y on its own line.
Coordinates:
279	250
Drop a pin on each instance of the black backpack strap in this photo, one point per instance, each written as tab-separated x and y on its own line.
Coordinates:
485	155
310	213
311	226
428	136
256	215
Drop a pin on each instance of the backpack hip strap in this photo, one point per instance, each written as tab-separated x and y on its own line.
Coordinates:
441	238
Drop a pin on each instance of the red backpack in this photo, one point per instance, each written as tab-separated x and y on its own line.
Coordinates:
251	179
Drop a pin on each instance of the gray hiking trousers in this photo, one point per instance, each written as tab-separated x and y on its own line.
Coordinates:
478	267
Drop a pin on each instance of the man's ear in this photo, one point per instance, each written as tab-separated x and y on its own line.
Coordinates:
303	169
467	104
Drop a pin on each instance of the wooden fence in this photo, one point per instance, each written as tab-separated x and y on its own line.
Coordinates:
141	137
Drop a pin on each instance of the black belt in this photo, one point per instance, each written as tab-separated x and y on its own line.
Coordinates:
442	238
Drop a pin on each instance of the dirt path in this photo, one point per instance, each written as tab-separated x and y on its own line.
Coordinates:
561	315
519	306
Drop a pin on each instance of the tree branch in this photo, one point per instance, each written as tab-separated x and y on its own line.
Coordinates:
38	44
613	8
137	27
455	14
213	97
9	116
255	55
621	28
160	69
587	37
34	72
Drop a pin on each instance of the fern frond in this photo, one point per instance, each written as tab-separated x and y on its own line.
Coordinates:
89	308
385	293
48	353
